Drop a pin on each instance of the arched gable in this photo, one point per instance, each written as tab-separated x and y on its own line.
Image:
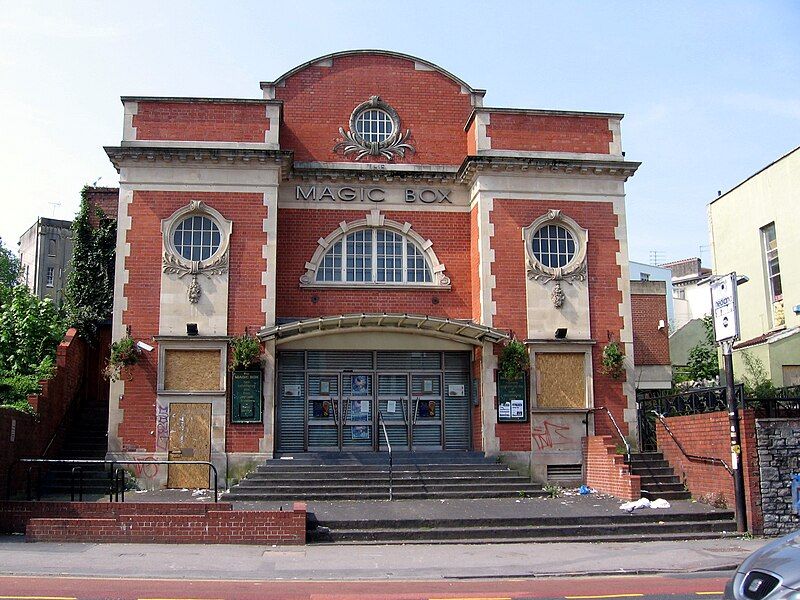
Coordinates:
320	96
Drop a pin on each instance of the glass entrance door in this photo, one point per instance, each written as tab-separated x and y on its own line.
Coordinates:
393	402
323	411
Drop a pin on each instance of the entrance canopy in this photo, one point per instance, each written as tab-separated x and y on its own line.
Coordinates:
452	329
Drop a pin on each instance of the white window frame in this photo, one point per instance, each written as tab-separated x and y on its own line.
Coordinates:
375	221
575	269
51	276
774	301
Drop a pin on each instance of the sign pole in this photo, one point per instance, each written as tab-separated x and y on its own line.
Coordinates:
736	439
724	308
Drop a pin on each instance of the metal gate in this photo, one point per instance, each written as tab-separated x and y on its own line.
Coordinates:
331	400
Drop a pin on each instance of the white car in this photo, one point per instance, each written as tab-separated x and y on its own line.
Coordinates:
770	573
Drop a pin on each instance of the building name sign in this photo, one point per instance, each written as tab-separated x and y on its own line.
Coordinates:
315	193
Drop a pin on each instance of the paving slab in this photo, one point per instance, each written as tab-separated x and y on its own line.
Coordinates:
399	562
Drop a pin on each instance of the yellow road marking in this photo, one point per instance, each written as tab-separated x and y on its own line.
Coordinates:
606	596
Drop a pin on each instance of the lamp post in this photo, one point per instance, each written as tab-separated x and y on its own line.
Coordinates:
724	308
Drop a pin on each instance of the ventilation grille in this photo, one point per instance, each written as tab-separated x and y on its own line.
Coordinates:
564	472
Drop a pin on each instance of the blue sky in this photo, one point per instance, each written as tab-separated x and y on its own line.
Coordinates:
711	91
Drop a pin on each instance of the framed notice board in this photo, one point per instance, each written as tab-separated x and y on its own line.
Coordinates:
512	399
246	387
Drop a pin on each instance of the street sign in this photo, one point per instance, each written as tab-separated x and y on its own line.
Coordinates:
724	308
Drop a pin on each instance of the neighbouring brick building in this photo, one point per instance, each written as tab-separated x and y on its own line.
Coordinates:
384	234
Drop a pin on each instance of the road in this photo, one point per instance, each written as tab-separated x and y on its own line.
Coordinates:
661	587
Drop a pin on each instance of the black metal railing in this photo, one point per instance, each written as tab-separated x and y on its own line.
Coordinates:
389	448
779	407
116	476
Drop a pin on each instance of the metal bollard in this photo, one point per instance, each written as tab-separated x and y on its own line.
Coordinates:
796	494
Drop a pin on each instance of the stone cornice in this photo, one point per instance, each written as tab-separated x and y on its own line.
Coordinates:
133	156
539	111
499	165
190	100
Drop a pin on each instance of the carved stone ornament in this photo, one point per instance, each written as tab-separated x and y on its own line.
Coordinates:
573	271
173	263
557	295
395	144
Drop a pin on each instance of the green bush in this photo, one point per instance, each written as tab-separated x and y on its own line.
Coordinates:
514	360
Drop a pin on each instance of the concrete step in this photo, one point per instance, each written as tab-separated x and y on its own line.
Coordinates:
648	480
625	537
240	495
498	476
666	495
530	533
336	487
644	465
272	467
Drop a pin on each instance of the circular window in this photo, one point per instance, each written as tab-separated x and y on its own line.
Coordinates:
553	246
374	125
196	238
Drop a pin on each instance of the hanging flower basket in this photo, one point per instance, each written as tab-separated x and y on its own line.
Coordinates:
613	361
246	353
514	361
124	353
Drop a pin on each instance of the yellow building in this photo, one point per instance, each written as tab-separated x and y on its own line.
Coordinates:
755	231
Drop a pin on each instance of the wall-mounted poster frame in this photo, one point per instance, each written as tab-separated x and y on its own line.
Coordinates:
246	396
512	399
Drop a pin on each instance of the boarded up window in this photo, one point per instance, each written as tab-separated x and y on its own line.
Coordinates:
560	380
191	370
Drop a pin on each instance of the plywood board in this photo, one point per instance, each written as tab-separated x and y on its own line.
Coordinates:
560	380
191	370
189	439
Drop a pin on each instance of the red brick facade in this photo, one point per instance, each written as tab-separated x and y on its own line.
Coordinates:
708	435
476	233
530	132
201	121
650	334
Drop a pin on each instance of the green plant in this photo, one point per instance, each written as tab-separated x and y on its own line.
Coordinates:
514	360
9	266
246	351
703	362
89	293
124	353
757	383
553	490
613	360
30	331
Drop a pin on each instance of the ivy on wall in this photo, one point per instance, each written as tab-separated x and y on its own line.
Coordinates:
89	294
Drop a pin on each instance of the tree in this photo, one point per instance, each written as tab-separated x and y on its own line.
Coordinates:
703	361
89	294
9	266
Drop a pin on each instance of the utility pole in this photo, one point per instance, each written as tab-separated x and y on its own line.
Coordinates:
724	308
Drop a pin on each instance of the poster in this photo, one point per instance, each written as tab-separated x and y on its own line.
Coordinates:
391	406
324	387
322	409
360	410
360	432
504	411
512	400
291	391
359	385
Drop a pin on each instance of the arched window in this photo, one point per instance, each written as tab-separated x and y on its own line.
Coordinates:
375	251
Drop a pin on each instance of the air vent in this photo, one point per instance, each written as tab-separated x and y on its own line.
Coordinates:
564	472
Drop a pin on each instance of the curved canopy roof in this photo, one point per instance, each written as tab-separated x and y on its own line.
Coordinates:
459	330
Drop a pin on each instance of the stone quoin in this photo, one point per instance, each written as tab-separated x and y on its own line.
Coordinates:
384	235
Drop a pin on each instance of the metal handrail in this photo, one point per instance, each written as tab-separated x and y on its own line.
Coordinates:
619	432
695	457
112	474
79	470
389	447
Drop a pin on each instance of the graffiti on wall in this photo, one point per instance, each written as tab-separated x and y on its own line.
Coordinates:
556	432
162	428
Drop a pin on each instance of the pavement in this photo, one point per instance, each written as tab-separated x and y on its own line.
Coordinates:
396	561
366	563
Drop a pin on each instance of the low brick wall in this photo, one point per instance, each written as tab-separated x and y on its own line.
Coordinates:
708	434
606	470
147	522
779	459
26	436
